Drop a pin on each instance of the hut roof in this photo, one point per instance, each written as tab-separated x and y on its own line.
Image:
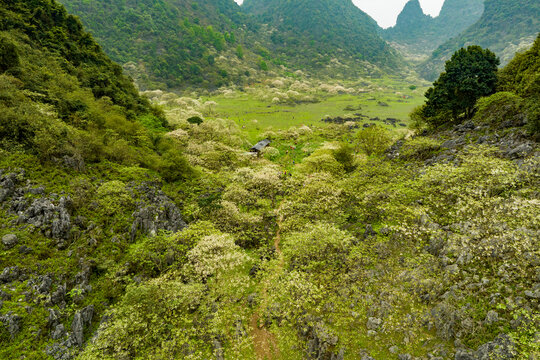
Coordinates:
260	145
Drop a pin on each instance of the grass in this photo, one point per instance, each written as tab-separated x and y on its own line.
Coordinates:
255	116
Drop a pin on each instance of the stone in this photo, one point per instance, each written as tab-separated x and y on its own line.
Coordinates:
520	151
10	274
58	296
393	349
12	323
5	296
491	318
502	347
369	231
77	329
25	250
45	285
155	212
533	294
218	350
58	332
81	320
404	357
9	241
373	323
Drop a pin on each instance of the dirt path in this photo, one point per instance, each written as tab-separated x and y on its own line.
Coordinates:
264	342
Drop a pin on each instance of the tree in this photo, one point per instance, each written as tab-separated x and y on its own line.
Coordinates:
240	52
470	74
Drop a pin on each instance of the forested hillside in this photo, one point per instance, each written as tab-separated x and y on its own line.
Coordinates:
147	226
173	43
417	34
505	27
307	33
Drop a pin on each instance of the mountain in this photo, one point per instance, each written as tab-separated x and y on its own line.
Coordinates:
416	33
56	80
314	32
506	27
172	42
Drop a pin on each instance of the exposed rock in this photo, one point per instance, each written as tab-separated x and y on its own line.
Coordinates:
74	162
4	295
58	332
53	319
491	318
520	151
393	349
9	241
374	323
45	285
58	296
81	320
12	322
8	184
10	274
53	220
25	250
155	212
369	231
501	348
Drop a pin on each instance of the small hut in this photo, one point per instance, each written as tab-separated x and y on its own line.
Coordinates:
258	147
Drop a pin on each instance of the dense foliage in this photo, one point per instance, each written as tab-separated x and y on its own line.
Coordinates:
306	32
522	77
125	236
62	96
174	42
505	27
470	74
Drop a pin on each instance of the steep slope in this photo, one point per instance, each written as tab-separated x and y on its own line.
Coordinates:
173	42
505	27
313	32
418	34
73	133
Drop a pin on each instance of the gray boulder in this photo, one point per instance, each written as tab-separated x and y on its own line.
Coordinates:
374	323
10	274
9	241
155	212
12	323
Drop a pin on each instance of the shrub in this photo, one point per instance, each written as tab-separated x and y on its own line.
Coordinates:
195	120
9	56
344	155
317	248
498	107
373	140
419	148
113	197
174	166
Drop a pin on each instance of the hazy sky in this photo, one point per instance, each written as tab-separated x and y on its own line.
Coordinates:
387	11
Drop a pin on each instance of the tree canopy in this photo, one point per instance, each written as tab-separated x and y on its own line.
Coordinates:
470	74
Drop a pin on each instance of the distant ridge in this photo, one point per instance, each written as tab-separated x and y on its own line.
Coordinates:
311	32
506	27
416	33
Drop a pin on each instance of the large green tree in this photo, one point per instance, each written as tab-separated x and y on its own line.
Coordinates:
470	74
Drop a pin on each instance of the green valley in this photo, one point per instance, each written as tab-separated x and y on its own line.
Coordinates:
265	181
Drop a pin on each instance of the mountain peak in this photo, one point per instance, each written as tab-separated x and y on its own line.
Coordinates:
411	15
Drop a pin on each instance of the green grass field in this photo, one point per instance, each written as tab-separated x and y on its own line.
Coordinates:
256	116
